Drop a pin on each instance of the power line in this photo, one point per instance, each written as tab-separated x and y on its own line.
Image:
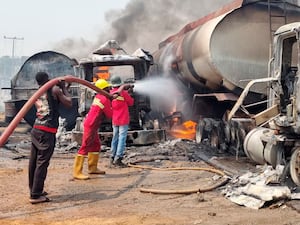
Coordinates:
13	46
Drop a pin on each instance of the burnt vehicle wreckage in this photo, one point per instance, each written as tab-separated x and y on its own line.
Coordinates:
100	64
130	68
240	90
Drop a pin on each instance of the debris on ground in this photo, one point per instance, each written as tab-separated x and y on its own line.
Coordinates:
122	188
255	190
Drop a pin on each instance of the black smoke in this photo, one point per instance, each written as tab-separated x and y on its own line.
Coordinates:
141	24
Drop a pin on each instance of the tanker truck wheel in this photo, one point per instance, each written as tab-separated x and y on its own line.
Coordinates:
217	134
295	166
214	138
234	137
200	131
227	134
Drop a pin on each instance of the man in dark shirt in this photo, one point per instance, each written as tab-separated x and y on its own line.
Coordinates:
43	135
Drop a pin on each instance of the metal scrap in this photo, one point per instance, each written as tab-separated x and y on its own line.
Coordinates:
253	190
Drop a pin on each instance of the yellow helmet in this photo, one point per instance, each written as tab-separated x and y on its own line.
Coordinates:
101	83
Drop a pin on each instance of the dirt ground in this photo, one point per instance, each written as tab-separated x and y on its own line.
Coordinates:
116	198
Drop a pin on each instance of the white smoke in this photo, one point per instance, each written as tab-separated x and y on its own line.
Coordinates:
162	91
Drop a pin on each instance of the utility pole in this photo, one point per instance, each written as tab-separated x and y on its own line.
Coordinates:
13	46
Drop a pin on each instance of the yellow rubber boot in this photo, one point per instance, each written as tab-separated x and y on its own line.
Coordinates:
78	165
93	158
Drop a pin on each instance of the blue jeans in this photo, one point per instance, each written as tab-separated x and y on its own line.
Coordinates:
118	142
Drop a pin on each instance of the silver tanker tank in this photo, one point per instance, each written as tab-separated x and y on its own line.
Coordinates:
228	48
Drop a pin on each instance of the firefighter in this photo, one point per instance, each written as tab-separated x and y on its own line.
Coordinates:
91	145
120	121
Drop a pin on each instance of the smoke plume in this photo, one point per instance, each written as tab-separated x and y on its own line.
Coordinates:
142	24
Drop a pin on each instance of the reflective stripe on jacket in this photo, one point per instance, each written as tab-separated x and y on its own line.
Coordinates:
100	107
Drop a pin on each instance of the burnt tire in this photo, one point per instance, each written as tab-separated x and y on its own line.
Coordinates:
200	132
295	166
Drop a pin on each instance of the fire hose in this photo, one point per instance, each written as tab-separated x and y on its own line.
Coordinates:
68	78
184	191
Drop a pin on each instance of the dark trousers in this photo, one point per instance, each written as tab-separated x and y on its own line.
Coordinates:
42	148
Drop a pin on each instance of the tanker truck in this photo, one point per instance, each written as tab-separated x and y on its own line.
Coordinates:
23	85
240	89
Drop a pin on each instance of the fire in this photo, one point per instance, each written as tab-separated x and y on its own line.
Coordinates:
101	72
186	130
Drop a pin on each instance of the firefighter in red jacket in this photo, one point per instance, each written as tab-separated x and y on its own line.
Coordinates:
120	122
91	145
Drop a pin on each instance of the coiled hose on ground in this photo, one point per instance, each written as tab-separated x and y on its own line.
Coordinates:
68	78
223	181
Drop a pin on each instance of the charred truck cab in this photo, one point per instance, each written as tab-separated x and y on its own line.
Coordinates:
276	139
109	60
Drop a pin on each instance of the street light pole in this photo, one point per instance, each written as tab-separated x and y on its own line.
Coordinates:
13	46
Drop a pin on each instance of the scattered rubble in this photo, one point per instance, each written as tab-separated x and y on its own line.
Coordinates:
250	186
255	190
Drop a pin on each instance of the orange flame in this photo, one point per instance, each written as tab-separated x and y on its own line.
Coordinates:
101	72
187	130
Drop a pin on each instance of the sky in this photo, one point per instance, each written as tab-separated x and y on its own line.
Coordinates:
36	25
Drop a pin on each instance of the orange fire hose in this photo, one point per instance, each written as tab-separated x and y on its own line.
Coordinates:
13	124
186	191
